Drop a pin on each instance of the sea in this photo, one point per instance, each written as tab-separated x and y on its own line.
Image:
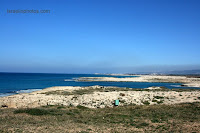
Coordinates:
15	83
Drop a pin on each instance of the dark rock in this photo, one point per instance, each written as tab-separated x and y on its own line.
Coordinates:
4	106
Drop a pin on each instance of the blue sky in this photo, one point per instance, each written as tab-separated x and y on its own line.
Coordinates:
88	36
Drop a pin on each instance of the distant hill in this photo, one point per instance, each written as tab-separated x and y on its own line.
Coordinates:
181	72
184	72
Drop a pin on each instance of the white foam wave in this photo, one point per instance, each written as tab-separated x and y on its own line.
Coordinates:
6	94
175	85
18	92
27	91
68	80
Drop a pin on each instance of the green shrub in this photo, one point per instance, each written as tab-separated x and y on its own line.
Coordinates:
146	102
158	97
36	111
82	107
60	107
159	102
154	100
144	124
33	111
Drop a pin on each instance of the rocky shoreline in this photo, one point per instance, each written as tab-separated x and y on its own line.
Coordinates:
99	97
186	81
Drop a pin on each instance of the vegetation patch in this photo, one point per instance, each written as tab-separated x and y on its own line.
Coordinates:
130	118
159	102
158	97
145	102
91	90
122	94
35	111
141	125
81	107
154	100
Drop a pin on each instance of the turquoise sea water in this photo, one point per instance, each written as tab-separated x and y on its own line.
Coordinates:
12	83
